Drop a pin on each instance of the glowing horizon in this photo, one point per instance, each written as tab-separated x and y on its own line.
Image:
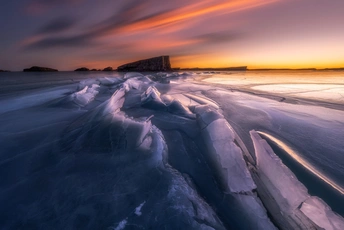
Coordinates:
209	33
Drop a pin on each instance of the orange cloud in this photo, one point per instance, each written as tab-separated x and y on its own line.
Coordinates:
192	11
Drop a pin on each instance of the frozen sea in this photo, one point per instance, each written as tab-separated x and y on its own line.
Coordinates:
108	150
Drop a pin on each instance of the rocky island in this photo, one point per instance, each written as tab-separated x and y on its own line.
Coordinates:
39	69
108	69
82	69
161	63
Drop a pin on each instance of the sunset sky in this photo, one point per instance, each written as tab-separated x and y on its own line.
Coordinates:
66	34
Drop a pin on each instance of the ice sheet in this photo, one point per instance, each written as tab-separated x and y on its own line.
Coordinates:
115	102
86	95
287	190
321	214
202	100
151	99
228	157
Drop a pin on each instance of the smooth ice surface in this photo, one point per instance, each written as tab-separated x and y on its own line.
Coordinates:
321	214
287	190
328	92
32	99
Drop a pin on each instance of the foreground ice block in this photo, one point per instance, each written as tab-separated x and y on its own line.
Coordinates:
285	197
227	157
86	95
151	99
224	154
115	102
286	186
321	214
135	131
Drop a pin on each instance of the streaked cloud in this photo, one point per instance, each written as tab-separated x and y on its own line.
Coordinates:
241	32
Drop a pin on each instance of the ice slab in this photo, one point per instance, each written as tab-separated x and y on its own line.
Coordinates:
227	157
321	214
177	107
132	74
87	82
115	102
255	210
202	100
185	100
134	83
186	200
86	95
286	189
151	99
206	115
109	81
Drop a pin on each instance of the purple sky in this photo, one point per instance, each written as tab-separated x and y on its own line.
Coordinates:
66	34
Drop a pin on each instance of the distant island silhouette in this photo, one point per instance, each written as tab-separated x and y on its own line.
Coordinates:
162	63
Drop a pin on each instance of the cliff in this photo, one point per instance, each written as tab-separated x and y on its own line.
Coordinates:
161	63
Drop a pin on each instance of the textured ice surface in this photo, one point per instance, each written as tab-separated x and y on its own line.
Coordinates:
202	100
185	100
134	83
321	214
88	82
206	115
186	201
138	209
132	74
177	107
151	99
287	190
255	210
86	95
121	225
115	102
109	81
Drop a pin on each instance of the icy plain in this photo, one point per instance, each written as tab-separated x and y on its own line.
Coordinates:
121	151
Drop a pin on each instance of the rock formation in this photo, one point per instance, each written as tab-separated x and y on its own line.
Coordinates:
40	69
82	69
108	69
161	63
